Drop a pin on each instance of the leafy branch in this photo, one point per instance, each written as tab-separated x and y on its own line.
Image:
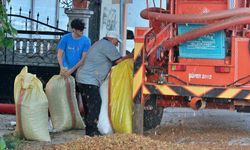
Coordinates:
66	3
6	29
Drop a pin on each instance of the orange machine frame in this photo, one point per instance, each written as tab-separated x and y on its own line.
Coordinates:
184	82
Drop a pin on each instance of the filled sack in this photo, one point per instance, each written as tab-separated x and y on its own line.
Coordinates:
31	107
104	125
120	98
63	106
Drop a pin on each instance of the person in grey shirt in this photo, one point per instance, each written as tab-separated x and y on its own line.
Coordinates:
99	60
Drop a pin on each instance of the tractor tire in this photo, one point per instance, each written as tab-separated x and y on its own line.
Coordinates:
152	113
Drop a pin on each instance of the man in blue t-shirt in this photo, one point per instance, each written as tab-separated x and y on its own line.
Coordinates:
72	49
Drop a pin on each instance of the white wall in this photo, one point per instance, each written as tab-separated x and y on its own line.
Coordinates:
110	14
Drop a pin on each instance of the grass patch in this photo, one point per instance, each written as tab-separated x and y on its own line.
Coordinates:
11	141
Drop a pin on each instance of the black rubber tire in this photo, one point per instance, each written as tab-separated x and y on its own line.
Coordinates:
152	117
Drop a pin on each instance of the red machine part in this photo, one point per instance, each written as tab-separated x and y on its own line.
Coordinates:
7	109
220	25
197	103
160	15
217	72
179	103
218	18
200	6
230	18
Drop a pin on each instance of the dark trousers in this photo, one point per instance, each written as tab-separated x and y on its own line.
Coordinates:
92	104
76	85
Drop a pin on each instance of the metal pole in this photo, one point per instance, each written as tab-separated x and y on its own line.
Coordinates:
121	25
125	14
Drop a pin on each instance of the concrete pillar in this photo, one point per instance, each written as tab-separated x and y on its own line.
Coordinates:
83	14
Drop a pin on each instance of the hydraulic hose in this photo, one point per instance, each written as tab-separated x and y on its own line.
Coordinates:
210	28
160	15
230	18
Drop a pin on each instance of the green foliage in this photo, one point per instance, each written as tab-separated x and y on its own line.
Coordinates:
11	141
6	30
66	3
2	144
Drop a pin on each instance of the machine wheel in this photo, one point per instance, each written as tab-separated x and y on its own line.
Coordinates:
152	113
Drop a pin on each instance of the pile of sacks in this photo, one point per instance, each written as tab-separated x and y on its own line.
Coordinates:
59	99
33	104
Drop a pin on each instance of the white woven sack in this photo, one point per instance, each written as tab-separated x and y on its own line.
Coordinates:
104	125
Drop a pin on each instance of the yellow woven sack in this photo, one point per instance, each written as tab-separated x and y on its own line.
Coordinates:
121	84
31	107
63	106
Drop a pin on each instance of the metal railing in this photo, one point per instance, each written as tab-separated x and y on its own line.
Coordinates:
32	46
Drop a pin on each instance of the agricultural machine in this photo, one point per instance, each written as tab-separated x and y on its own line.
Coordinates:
195	53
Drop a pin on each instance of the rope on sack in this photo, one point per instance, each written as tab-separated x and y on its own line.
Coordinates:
109	99
70	101
19	104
